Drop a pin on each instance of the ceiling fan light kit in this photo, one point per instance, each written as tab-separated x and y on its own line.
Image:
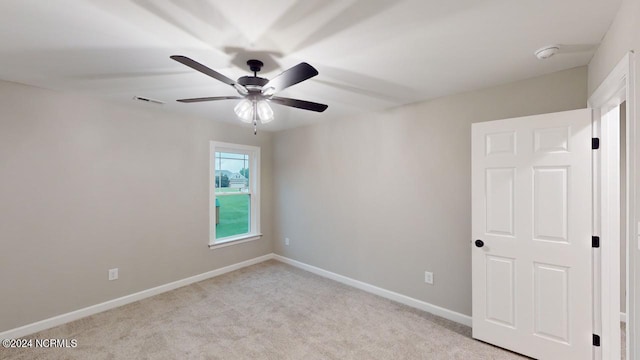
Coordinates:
246	109
256	92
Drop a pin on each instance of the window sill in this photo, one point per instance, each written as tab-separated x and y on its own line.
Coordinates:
235	240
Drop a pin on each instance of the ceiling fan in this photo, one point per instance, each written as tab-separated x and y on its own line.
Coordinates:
256	92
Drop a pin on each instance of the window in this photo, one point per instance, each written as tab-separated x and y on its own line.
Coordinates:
234	194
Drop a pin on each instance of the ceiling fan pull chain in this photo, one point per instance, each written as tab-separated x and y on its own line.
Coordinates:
255	117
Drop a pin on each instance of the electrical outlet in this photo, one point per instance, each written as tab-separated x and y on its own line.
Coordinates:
286	241
113	274
428	277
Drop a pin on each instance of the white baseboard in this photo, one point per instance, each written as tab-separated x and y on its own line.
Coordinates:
107	305
111	304
403	299
623	317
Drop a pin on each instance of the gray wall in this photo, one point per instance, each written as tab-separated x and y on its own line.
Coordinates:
623	36
383	197
89	185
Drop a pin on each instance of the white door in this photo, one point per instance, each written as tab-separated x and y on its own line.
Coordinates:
531	210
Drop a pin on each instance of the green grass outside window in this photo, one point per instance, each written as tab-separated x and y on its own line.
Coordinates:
234	215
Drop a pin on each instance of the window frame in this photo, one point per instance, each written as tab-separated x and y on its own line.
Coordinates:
254	193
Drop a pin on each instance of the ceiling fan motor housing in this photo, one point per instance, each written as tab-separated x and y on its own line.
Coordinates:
253	83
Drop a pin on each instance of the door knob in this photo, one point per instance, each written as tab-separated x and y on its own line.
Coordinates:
479	243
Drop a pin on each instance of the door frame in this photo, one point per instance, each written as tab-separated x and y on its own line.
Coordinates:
618	87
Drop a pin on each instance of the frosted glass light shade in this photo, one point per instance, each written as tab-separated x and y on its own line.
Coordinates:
244	110
265	113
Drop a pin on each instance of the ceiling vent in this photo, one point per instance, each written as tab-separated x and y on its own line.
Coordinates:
140	98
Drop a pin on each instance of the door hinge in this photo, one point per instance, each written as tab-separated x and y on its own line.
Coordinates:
595	241
596	340
595	143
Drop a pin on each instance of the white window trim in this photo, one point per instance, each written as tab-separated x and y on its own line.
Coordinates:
254	186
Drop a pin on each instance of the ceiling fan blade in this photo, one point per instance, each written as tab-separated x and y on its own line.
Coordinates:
203	69
192	100
300	104
289	77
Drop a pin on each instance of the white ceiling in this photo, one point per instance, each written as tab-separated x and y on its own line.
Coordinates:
371	54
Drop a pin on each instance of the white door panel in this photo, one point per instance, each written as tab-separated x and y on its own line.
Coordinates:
531	195
499	201
501	296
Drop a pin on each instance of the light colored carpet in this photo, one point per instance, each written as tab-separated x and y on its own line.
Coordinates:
266	311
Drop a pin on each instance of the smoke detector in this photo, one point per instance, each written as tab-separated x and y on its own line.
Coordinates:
546	52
